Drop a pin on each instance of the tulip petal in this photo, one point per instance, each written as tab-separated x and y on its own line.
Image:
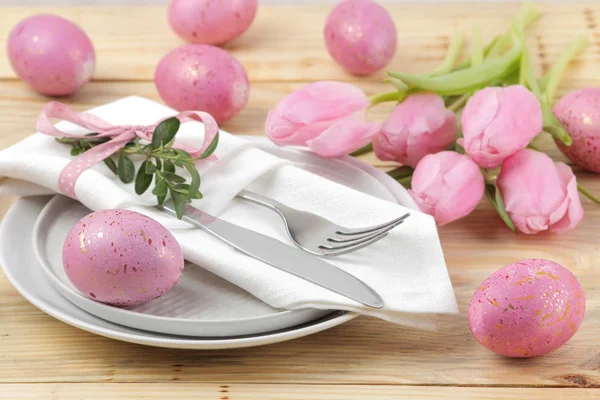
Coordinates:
539	194
343	137
418	126
574	213
497	122
325	100
447	185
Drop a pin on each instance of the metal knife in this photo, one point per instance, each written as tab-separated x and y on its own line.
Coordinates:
281	256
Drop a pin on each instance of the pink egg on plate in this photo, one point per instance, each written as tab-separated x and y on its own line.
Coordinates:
51	54
203	78
121	257
527	309
211	22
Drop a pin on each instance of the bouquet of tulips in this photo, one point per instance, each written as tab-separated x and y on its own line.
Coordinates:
463	131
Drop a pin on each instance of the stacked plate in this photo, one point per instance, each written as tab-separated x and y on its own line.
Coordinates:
203	311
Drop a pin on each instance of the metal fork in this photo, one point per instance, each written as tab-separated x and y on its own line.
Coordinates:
318	235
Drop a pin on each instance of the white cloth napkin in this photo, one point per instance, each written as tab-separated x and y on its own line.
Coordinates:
406	268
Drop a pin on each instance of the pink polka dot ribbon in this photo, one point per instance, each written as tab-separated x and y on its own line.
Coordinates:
120	135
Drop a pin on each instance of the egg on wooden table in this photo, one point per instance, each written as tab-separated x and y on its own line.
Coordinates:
121	257
204	78
51	54
527	308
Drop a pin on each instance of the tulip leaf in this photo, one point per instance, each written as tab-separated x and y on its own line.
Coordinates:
495	197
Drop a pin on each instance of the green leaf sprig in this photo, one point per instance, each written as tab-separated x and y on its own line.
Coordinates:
161	163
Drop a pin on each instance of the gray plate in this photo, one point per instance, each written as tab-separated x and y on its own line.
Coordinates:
200	305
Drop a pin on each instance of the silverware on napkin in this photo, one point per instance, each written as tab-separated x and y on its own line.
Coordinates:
281	256
318	235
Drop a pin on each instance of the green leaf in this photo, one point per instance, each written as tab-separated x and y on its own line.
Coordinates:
179	163
165	132
75	151
173	177
168	166
161	199
197	196
143	179
91	134
211	147
149	167
178	202
158	163
495	197
182	188
111	165
183	155
195	182
160	189
126	169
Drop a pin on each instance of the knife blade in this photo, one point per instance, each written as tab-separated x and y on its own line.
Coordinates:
281	256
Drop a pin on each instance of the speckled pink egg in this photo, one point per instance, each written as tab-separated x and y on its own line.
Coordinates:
527	308
121	258
209	21
360	36
51	54
203	78
579	113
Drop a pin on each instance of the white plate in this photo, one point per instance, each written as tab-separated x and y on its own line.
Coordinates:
25	273
201	304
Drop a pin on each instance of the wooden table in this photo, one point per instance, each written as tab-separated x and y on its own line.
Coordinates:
43	358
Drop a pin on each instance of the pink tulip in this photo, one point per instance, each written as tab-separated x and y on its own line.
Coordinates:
418	126
539	194
497	122
328	117
447	185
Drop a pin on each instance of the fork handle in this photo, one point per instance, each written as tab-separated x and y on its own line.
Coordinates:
262	200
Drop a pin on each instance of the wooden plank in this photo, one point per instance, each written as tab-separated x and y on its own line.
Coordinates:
36	348
365	350
183	391
286	42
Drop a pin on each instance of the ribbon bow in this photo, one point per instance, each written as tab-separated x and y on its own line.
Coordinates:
120	135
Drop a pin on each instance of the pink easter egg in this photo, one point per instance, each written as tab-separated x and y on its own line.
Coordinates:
527	308
203	78
360	35
121	258
51	54
579	113
211	22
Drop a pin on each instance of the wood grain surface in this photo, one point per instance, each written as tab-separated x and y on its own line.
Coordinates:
43	358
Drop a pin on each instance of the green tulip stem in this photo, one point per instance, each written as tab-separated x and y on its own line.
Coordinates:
401	172
466	80
452	55
587	194
477	56
550	81
406	181
526	15
386	97
363	150
459	103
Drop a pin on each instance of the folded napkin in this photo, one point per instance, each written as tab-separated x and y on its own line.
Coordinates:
406	268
